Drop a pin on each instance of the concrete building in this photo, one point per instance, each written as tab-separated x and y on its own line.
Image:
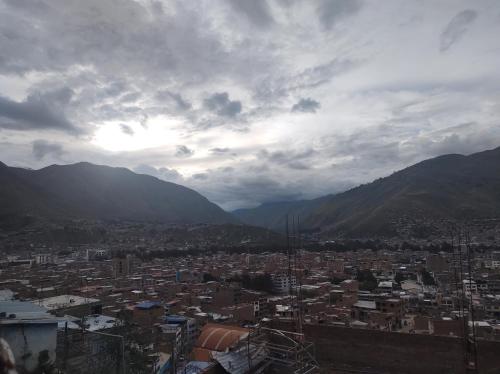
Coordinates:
77	306
122	266
436	263
147	313
188	328
282	282
45	258
470	286
31	334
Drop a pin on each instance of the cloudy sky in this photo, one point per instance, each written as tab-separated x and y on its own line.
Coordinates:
248	101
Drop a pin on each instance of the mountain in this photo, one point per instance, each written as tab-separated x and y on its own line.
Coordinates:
449	187
273	215
87	191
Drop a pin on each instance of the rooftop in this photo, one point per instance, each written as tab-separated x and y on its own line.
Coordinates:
24	312
65	301
98	322
365	304
148	305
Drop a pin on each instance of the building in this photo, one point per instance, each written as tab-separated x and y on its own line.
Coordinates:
350	285
147	313
188	328
361	310
470	286
246	312
31	334
436	263
172	341
96	254
282	283
217	338
73	305
45	258
336	266
122	266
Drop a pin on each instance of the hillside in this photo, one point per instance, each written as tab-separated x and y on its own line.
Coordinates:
443	188
87	191
272	215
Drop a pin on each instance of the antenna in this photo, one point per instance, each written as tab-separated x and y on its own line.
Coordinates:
298	279
288	250
468	326
472	343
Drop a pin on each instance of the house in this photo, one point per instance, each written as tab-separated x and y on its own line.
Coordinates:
31	333
77	306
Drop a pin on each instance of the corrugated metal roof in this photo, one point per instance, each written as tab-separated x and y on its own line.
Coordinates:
175	319
242	360
195	367
365	304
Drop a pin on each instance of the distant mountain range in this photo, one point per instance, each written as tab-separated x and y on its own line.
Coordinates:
273	215
87	191
443	188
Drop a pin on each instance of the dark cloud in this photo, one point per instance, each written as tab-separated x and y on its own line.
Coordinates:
331	11
180	103
306	105
291	159
37	112
170	175
247	189
257	11
220	104
131	62
200	176
97	34
126	129
298	165
456	29
183	151
43	148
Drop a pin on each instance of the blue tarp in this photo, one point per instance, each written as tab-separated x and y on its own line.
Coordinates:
148	305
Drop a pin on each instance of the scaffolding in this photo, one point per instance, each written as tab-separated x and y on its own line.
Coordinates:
462	258
289	351
286	351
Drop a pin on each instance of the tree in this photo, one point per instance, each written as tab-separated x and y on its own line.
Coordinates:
261	282
367	281
398	278
207	277
427	278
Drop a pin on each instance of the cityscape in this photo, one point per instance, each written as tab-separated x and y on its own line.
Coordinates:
96	308
249	186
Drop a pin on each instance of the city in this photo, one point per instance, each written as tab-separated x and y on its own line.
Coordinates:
93	308
249	187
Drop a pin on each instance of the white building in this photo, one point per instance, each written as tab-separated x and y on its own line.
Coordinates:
470	287
45	258
282	282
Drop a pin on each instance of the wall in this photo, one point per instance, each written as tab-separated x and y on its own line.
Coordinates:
33	344
395	353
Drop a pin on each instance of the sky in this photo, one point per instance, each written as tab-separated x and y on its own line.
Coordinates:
248	101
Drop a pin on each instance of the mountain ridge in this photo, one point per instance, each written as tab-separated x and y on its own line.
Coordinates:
447	187
85	190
